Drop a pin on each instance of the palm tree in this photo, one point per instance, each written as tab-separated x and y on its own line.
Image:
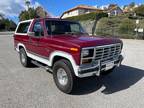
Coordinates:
27	3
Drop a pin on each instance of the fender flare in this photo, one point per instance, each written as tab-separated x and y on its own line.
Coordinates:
20	45
66	56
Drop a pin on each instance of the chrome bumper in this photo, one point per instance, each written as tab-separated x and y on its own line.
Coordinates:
96	67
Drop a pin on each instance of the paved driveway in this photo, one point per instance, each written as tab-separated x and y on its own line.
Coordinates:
34	87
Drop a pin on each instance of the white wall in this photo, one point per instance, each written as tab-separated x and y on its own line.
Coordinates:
77	12
70	14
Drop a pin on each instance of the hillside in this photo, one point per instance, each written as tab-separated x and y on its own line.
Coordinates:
118	26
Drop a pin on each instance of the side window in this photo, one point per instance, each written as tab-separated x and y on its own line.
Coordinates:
48	27
38	30
23	27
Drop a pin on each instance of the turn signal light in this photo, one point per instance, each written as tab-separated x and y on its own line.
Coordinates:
85	61
74	49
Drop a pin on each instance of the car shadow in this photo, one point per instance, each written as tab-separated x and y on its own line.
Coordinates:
32	66
122	78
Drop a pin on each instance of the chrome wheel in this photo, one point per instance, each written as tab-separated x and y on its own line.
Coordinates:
62	76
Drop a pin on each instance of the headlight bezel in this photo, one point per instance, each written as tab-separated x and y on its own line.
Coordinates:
87	54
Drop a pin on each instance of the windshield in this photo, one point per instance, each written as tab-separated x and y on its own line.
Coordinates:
64	27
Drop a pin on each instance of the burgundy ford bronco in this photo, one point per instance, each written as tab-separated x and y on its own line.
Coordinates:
65	49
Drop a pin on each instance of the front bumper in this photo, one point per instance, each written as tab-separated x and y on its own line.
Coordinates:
96	67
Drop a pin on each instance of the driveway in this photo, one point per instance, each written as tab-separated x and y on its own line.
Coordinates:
34	87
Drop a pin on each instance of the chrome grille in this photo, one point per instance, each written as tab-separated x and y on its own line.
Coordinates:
107	52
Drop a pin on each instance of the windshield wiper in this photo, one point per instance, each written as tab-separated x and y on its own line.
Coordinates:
74	33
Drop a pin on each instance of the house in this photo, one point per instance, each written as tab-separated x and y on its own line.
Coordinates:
129	9
79	10
114	9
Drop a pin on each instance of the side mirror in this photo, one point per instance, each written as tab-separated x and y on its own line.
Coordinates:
37	33
31	33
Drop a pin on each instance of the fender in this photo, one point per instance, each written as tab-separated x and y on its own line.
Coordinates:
20	45
51	58
68	57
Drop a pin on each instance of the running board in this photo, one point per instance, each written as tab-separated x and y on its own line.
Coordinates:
41	66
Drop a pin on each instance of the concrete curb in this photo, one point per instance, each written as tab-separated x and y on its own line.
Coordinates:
7	33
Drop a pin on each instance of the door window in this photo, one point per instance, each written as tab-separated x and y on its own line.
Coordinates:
38	29
23	27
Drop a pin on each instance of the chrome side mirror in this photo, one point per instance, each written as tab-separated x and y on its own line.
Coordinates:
31	33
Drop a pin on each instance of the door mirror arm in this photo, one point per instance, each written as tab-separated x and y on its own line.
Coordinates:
31	33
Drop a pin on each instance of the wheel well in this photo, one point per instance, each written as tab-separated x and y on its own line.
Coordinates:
20	47
57	58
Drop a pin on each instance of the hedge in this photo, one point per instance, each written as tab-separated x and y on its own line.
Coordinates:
89	16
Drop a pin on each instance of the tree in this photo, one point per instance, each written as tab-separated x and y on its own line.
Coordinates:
2	25
1	16
132	4
12	26
33	13
25	15
6	24
125	6
27	3
41	12
140	10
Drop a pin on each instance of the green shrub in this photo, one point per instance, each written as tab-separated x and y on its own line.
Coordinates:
118	26
89	16
127	26
140	10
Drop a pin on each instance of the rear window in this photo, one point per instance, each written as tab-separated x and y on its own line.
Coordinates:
23	27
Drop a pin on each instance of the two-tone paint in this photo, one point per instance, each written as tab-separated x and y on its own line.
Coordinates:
48	46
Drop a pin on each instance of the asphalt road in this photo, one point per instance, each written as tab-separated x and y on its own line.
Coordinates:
34	87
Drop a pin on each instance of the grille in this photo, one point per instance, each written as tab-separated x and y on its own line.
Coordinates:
108	52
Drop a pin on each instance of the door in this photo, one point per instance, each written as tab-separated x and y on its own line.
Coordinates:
34	41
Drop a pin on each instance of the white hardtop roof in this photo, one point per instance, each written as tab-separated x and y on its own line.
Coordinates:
26	21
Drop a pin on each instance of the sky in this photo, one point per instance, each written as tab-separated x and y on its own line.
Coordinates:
12	8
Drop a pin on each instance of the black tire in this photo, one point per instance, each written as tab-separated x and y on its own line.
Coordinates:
66	65
104	73
23	55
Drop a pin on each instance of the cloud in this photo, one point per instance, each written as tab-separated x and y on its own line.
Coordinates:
36	4
12	8
104	6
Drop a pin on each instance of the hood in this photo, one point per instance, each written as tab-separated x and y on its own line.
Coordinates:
86	41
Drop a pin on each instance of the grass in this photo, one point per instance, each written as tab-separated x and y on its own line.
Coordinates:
118	26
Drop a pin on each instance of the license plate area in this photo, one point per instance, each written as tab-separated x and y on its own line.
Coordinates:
109	65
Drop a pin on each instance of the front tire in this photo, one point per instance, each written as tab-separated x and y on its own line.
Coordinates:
63	76
24	59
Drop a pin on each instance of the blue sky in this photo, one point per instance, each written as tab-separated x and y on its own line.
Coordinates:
56	7
12	8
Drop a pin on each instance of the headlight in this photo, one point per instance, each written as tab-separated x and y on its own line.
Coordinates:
87	53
